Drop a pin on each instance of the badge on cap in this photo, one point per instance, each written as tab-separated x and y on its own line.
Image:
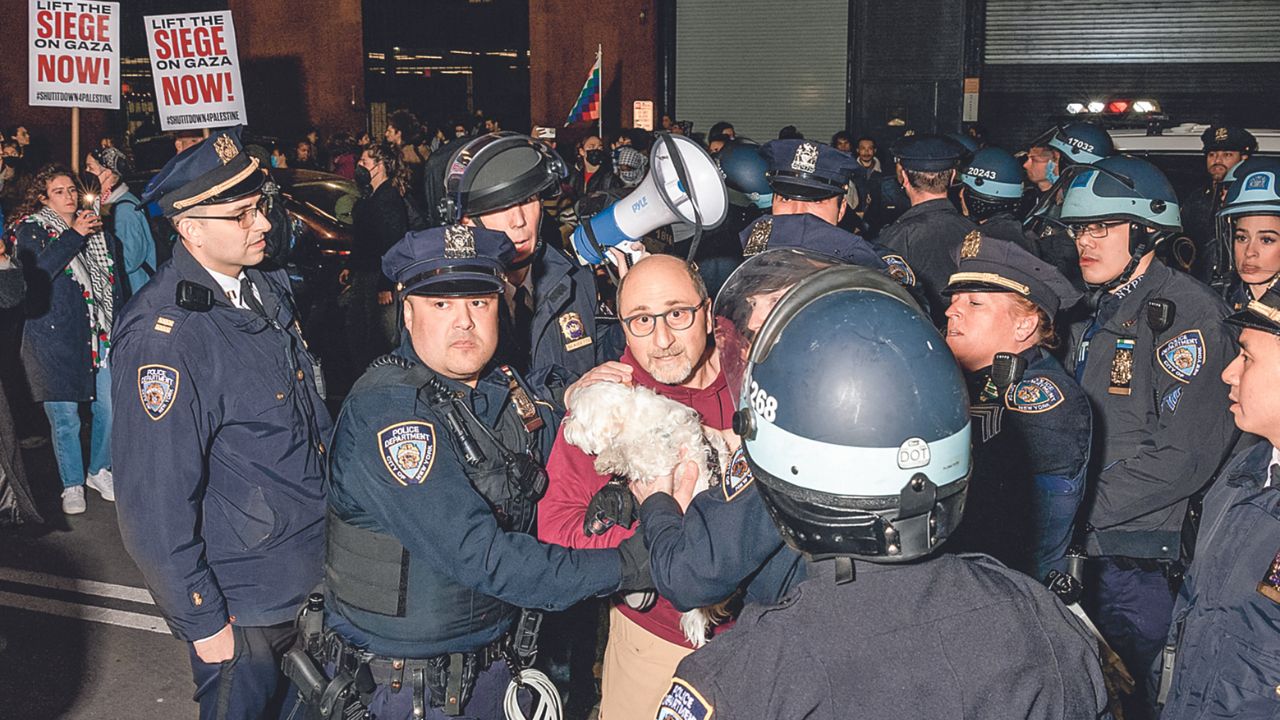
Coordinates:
758	240
1033	395
226	148
1122	367
1183	356
806	158
682	702
408	450
738	477
1220	134
459	242
972	243
157	388
572	331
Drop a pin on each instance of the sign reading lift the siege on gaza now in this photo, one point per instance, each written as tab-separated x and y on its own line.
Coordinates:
74	54
196	70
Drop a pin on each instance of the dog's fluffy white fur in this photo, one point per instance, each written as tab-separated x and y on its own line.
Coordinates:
637	434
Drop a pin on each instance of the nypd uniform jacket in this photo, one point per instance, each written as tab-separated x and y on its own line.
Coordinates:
723	539
1006	226
951	637
564	331
1228	611
928	237
399	472
218	458
809	232
1160	409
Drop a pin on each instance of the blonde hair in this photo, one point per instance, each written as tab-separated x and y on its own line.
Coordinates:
1046	336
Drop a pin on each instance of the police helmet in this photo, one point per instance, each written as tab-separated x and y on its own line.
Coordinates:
498	170
1080	143
855	420
744	168
993	174
1122	188
1255	190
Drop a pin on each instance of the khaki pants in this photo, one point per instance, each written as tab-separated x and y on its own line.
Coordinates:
638	667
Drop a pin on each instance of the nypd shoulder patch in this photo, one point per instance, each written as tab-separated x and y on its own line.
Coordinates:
1033	395
408	450
157	389
899	270
1183	356
682	702
738	477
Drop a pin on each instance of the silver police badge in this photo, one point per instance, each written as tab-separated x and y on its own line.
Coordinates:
459	242
806	158
157	387
408	450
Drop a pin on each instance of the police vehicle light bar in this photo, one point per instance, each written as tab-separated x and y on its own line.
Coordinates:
1113	107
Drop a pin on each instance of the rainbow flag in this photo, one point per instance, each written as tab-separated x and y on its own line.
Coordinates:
588	105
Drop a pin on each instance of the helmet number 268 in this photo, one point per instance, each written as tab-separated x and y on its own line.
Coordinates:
763	403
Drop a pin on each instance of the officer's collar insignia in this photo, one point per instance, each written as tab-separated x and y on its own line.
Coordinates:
1220	134
572	331
1270	585
459	242
972	243
682	702
1171	399
899	270
758	240
1033	395
738	477
1257	181
226	148
989	391
987	420
408	450
157	388
806	158
1183	356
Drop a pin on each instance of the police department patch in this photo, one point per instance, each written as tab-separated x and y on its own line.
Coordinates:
157	387
1033	395
682	702
408	450
1183	356
1258	181
899	270
738	477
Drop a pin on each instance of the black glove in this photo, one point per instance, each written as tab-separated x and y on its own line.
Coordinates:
612	505
635	563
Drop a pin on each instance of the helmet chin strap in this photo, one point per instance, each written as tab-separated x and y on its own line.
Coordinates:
1141	241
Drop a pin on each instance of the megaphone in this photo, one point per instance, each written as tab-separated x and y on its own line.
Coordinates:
666	195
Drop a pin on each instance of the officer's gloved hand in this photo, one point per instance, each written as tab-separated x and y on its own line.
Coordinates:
612	505
635	563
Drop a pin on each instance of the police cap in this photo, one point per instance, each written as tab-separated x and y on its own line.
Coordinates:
991	265
1261	314
215	170
928	153
807	170
1228	137
453	260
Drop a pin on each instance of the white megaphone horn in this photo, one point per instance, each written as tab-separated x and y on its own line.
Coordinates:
660	199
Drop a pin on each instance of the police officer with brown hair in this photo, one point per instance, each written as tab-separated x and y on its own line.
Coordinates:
1225	147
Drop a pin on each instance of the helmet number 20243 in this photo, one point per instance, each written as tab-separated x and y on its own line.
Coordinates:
763	403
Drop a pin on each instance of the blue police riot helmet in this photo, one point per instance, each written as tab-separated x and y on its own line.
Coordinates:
994	174
744	168
965	141
855	420
496	171
1255	190
1081	142
1122	188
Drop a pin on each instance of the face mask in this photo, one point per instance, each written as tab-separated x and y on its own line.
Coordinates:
595	157
363	178
275	162
1051	172
764	202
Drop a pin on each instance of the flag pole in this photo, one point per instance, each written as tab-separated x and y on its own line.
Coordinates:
600	64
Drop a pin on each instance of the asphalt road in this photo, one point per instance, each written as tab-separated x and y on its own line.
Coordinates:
81	636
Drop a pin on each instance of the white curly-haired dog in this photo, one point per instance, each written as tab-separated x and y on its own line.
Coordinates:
639	435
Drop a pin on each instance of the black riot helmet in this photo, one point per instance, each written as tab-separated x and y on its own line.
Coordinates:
498	170
855	420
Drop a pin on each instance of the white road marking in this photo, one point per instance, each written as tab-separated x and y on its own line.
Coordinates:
85	587
79	611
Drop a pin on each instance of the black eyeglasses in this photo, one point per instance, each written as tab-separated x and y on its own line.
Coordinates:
677	318
1095	229
245	218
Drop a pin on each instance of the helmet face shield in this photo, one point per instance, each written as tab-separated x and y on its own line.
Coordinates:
498	170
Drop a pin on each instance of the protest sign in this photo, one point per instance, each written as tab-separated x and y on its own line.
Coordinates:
74	54
196	70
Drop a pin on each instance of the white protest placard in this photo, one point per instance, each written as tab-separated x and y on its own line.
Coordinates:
196	69
74	54
642	114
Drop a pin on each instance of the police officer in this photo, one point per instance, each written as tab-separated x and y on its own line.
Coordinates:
1225	146
877	624
220	431
1149	359
495	181
437	467
1226	623
1251	212
810	181
1031	421
928	236
990	191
